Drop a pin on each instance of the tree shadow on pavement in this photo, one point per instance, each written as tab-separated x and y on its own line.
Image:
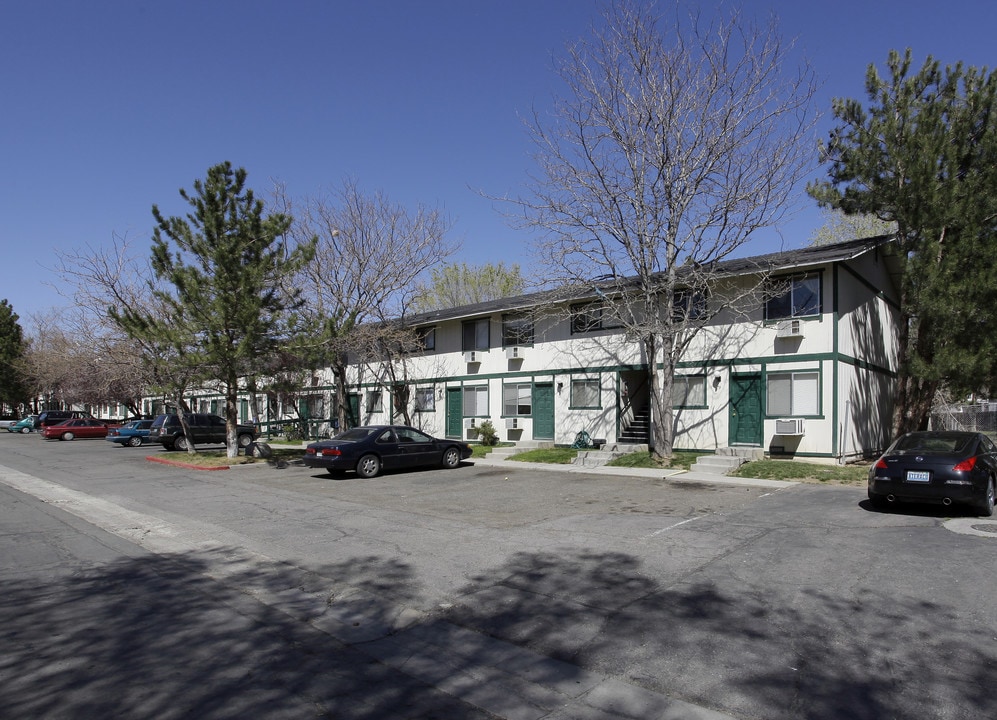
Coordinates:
738	648
156	637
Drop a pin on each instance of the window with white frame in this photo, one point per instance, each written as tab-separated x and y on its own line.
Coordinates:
797	296
585	393
375	401
476	401
689	391
517	399
475	334
425	399
688	304
793	393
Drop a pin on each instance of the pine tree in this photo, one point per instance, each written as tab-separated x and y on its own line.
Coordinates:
222	310
922	155
13	388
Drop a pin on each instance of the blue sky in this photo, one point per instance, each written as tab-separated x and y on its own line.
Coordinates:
111	106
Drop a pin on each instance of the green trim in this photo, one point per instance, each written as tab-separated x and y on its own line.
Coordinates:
875	291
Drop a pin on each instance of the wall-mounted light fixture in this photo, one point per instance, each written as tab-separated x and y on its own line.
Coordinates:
560	386
716	382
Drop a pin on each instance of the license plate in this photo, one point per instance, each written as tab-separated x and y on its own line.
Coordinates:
918	476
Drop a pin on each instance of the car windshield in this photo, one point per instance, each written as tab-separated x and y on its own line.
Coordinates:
949	444
354	434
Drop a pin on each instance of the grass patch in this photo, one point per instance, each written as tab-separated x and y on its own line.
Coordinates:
803	471
681	459
554	456
218	458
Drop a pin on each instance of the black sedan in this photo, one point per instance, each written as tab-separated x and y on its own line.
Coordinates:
937	467
374	448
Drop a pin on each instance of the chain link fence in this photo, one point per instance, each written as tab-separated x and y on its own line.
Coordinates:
980	417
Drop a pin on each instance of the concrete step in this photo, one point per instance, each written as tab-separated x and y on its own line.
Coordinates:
717	464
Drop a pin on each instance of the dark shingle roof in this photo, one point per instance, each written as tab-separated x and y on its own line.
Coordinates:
771	262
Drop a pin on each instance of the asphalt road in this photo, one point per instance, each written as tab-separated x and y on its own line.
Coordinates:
134	589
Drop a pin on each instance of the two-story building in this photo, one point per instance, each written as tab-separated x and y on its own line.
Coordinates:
808	370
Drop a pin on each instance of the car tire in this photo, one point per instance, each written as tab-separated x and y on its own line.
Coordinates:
180	443
67	436
369	466
25	430
134	441
451	458
986	508
245	441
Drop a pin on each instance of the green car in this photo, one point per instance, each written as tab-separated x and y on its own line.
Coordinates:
23	426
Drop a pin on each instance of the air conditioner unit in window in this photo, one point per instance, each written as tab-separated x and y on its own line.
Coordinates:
512	423
789	426
472	356
515	352
470	422
789	329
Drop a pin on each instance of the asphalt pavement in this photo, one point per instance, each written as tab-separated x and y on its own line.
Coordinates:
497	590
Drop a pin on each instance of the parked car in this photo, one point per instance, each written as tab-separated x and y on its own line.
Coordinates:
369	450
76	428
25	425
54	417
132	434
205	429
4	424
937	467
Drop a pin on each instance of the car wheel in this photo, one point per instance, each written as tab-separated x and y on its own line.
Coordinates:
245	440
67	436
986	508
134	441
181	443
369	466
25	430
451	458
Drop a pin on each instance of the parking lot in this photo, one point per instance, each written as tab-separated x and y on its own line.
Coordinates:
741	601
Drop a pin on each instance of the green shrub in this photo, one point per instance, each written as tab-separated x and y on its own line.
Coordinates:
487	434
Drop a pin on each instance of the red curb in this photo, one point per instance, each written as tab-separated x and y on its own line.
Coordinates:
189	466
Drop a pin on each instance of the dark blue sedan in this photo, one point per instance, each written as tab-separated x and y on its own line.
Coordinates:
937	467
369	450
132	433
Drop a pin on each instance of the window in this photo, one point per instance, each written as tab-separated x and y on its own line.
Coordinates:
425	400
375	401
793	393
517	399
476	401
585	393
517	330
427	338
688	304
689	391
800	298
475	334
586	317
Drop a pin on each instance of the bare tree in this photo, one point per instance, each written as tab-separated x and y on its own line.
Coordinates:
370	256
674	142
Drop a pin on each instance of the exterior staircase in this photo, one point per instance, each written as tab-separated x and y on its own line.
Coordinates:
638	432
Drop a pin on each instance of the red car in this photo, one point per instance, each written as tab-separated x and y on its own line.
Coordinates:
76	428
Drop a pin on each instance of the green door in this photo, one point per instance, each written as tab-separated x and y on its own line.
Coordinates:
455	413
745	410
543	411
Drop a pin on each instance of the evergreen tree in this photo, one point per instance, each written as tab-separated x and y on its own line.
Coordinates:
13	388
922	155
222	312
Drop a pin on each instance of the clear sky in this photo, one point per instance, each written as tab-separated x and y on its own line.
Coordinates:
110	106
